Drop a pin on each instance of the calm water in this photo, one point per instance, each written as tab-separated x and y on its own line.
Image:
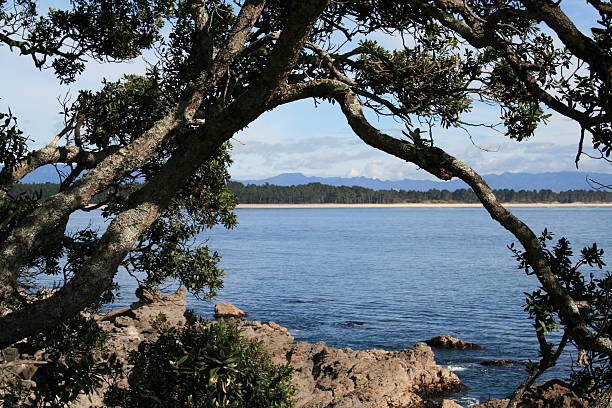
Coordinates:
404	275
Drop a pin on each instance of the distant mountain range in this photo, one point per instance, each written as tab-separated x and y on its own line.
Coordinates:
555	181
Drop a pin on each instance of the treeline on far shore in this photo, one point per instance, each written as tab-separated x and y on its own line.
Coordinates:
317	193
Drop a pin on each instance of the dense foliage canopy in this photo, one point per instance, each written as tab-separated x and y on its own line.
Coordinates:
222	64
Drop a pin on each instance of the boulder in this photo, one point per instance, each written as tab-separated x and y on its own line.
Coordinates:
451	343
225	310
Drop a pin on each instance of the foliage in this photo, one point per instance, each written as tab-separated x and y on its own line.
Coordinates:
592	291
72	366
206	365
13	143
120	111
64	39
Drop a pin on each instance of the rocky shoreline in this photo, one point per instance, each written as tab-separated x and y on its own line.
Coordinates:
324	377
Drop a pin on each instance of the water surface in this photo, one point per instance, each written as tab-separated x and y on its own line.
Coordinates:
388	278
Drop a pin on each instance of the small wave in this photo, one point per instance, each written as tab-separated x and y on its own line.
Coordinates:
454	368
466	401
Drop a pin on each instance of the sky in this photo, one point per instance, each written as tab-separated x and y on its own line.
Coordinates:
315	141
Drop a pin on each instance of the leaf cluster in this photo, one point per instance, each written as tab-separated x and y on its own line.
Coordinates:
101	30
204	365
71	367
13	143
592	292
428	79
167	249
120	112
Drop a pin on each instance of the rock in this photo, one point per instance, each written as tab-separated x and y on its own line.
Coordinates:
324	377
502	362
10	354
492	403
26	371
28	384
550	394
42	294
154	306
451	343
352	323
449	404
225	310
554	393
328	377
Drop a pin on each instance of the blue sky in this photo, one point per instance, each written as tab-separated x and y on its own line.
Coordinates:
302	138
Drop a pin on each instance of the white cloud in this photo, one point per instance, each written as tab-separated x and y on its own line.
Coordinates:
300	138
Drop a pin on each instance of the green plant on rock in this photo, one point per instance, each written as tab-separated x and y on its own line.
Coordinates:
593	294
204	365
71	367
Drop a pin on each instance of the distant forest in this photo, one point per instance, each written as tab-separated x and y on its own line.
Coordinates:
317	193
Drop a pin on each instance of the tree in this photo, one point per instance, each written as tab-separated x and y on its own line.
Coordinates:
222	64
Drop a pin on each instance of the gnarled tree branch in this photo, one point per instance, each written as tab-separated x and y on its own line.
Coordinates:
51	155
439	163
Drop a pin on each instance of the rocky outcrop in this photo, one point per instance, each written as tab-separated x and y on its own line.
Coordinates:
344	378
225	310
451	343
324	377
550	394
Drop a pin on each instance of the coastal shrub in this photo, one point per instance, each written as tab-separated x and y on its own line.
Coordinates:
70	368
203	365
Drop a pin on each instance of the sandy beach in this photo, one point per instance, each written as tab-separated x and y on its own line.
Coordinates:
419	205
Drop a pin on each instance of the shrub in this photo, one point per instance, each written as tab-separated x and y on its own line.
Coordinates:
203	365
71	368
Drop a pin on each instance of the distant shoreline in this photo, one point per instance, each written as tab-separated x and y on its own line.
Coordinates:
415	205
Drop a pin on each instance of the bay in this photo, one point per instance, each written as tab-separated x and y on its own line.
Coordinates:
388	278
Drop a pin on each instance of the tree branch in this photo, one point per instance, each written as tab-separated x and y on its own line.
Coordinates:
32	230
579	44
246	19
51	155
143	208
444	166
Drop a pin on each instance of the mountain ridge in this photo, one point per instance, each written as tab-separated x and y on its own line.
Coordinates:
555	181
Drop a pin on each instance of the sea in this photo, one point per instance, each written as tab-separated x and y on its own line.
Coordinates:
387	278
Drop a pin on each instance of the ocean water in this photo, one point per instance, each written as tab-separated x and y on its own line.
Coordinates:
388	278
